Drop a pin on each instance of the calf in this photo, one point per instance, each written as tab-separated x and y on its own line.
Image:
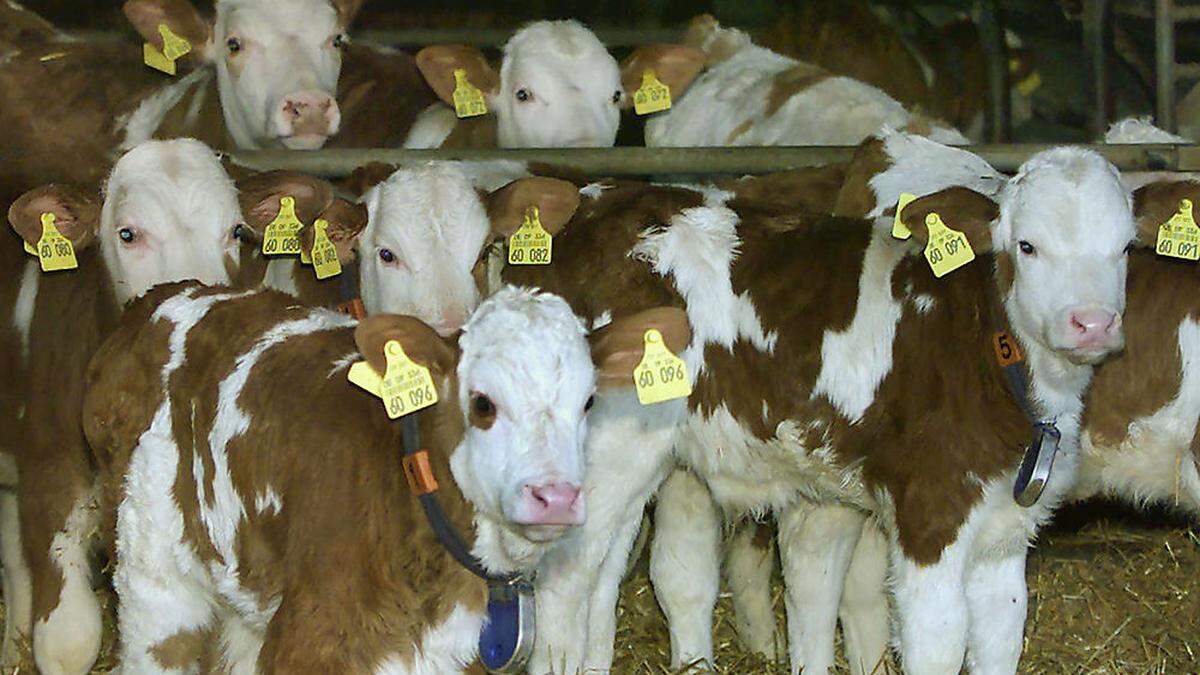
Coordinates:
749	95
233	545
816	396
557	86
169	212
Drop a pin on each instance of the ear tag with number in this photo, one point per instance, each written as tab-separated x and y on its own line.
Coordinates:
174	47
899	229
324	254
947	249
1179	237
54	250
405	387
660	375
653	96
29	248
468	100
282	236
531	244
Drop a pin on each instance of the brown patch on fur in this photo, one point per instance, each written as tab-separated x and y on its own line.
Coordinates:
705	33
792	81
764	536
378	84
473	133
1005	273
801	194
739	131
366	177
856	199
181	649
206	125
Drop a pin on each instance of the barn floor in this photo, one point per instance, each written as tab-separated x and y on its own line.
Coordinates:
1111	592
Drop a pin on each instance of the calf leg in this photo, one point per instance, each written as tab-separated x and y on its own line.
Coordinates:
997	600
815	545
864	608
749	563
685	565
931	605
18	588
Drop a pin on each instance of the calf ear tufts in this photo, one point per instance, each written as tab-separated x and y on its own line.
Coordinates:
421	343
618	347
76	213
556	200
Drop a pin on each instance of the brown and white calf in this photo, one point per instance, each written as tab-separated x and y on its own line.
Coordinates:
557	86
263	520
749	95
168	212
830	370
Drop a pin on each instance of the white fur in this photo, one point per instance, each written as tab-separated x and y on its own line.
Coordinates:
447	648
182	206
1140	130
281	275
431	127
921	166
141	124
68	639
748	572
18	586
863	612
266	500
26	303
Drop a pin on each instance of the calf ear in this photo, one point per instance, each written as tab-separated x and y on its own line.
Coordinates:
1155	203
367	176
421	343
856	198
555	199
180	16
76	213
259	197
438	63
960	208
347	10
347	221
618	347
674	65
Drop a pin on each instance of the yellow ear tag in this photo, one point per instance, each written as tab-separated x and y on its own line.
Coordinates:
530	244
324	254
1027	86
947	249
468	100
660	376
899	229
407	386
29	248
1179	237
282	236
653	96
363	375
174	47
54	250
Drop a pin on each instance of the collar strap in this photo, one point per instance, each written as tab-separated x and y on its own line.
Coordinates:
349	298
420	478
1039	455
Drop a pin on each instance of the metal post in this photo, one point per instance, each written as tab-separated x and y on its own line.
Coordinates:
1164	57
1095	21
998	113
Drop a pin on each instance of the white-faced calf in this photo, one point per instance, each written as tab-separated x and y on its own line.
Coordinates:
264	518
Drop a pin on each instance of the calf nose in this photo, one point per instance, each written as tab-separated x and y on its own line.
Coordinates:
551	504
308	113
1093	327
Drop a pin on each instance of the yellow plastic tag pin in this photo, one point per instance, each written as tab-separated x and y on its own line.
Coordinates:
531	244
54	250
174	47
899	229
407	386
660	375
324	254
947	249
363	375
1179	237
653	96
468	100
282	236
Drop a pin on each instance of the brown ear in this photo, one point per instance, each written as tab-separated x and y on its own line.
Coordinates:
347	10
674	65
366	177
347	221
856	198
422	343
259	197
960	208
1155	203
179	15
76	213
438	63
618	347
556	201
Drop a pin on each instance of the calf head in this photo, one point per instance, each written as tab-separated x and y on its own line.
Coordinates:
1060	233
426	229
518	385
277	62
558	86
169	213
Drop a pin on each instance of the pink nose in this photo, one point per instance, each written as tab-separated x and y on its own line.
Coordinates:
308	113
551	504
1093	327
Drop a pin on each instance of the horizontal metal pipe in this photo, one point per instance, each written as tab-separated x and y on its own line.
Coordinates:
419	37
688	161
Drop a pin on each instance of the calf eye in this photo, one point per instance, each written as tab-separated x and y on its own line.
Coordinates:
127	235
341	41
234	45
1026	247
387	256
524	95
590	402
616	97
239	231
